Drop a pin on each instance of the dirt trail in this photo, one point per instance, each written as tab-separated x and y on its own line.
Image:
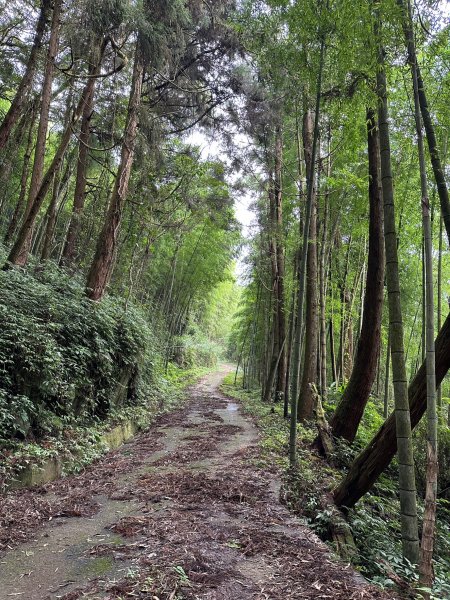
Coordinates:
181	512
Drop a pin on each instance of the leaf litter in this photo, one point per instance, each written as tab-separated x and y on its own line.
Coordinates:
208	530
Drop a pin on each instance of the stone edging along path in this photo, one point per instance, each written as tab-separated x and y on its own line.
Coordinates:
53	468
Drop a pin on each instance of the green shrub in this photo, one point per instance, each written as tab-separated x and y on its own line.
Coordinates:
195	350
64	357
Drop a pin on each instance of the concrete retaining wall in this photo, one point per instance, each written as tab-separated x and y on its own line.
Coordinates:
52	468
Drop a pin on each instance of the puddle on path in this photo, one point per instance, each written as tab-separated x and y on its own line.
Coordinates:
58	559
231	508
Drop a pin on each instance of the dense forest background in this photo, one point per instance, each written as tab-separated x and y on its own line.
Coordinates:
120	242
100	191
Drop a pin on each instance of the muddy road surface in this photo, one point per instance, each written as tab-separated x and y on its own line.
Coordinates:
181	512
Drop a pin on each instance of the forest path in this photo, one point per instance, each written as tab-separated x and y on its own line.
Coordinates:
180	512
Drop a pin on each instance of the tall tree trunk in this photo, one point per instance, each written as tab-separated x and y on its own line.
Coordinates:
439	299
60	184
303	263
334	373
348	336
424	306
280	299
377	386
332	353
387	377
426	549
25	84
377	455
19	253
323	283
69	251
10	156
309	374
341	351
18	210
46	95
297	351
272	341
290	341
104	258
323	331
350	410
362	293
345	299
438	171
407	484
50	217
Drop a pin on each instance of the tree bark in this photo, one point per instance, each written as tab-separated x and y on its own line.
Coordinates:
345	298
60	184
323	286
46	95
387	378
325	260
309	374
297	349
439	299
407	485
303	263
290	342
19	253
104	258
272	341
280	299
377	455
438	171
18	210
25	84
69	251
429	518
10	157
349	412
332	353
50	219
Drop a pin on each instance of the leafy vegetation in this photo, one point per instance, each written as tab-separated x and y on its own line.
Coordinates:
65	358
131	135
72	369
374	522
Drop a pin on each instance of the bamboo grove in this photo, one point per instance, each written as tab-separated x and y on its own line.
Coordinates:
348	270
344	109
96	98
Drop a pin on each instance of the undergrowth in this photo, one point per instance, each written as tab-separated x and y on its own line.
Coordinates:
79	445
65	358
70	369
374	521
